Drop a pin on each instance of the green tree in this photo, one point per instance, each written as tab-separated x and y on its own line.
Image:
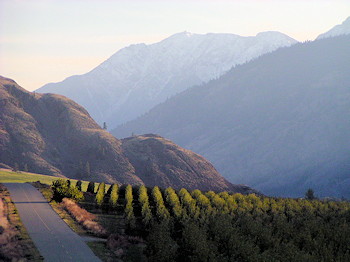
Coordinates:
91	187
160	246
173	201
61	189
25	169
105	125
161	210
129	209
145	207
310	195
113	199
189	203
194	243
100	194
78	185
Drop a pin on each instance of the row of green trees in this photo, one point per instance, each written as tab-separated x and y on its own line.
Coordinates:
129	209
145	206
208	226
232	227
162	212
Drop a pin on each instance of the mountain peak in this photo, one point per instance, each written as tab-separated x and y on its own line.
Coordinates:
180	36
271	33
138	77
342	29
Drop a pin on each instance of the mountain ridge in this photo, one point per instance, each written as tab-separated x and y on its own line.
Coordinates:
274	123
138	77
341	29
51	134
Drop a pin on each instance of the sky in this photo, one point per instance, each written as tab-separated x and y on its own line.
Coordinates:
44	41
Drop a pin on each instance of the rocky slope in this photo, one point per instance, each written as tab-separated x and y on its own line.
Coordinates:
53	135
138	77
279	123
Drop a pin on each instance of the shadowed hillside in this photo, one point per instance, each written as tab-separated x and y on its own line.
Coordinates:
161	162
54	135
51	134
279	123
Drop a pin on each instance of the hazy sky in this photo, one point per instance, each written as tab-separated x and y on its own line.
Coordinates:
45	41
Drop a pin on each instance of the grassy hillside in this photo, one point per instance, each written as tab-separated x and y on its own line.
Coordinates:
23	177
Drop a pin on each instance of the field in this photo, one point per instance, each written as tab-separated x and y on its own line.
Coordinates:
7	176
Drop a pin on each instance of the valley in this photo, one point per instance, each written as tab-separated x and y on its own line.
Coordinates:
175	131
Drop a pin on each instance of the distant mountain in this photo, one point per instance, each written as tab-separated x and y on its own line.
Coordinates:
138	77
53	135
343	29
279	123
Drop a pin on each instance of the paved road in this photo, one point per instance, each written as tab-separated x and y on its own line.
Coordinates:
51	235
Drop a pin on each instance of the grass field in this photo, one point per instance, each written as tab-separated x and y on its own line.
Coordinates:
23	177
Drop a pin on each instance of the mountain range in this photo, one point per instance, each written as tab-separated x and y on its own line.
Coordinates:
338	30
279	123
140	76
53	135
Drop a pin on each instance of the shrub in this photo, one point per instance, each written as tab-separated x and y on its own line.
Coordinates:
83	217
61	189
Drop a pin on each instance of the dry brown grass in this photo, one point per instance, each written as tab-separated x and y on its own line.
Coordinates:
83	217
8	237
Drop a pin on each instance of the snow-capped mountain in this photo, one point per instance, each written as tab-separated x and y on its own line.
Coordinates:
140	76
279	123
342	29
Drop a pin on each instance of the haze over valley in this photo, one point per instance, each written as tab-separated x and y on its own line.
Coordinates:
269	116
175	131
